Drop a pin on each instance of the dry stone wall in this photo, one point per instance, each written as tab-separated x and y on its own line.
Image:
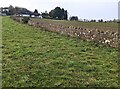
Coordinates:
108	38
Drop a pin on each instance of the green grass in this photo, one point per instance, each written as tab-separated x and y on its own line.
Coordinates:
110	26
34	57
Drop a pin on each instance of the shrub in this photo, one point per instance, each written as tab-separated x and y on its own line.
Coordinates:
25	20
74	18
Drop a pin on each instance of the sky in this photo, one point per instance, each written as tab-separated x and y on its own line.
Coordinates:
84	9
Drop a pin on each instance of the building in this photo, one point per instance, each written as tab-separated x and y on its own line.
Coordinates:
4	11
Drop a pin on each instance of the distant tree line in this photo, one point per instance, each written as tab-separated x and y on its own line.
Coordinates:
57	13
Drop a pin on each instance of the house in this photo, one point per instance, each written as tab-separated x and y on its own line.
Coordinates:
4	11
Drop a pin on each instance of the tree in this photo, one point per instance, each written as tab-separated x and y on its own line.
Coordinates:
101	20
36	12
58	13
11	10
45	15
115	20
65	15
74	18
93	20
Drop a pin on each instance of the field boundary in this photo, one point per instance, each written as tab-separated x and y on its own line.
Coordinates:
108	38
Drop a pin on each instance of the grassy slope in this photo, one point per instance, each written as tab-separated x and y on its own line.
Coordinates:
92	25
33	57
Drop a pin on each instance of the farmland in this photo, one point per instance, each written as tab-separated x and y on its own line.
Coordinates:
111	26
35	57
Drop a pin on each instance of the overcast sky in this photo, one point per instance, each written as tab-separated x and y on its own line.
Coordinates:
84	9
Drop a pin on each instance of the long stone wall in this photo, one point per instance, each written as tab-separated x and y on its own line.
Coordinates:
108	38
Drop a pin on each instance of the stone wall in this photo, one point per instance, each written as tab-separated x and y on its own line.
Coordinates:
108	38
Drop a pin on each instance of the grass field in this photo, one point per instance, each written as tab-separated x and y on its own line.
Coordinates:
34	57
110	26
